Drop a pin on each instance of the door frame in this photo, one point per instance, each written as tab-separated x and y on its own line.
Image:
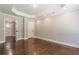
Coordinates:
13	36
29	35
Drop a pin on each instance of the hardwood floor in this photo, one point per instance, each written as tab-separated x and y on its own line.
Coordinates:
34	46
1	49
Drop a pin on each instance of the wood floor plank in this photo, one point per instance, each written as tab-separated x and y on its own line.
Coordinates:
35	46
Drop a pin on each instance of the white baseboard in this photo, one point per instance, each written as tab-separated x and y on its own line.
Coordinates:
64	43
21	39
51	40
16	40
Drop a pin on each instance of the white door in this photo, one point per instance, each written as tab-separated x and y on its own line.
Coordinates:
19	28
30	29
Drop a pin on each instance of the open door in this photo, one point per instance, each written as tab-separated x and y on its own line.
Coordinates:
10	30
10	33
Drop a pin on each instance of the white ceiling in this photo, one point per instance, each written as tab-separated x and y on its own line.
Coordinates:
40	10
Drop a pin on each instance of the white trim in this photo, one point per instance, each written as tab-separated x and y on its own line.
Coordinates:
5	14
64	43
43	38
17	12
4	31
20	39
24	38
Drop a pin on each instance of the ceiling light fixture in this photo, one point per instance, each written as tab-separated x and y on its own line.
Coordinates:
35	5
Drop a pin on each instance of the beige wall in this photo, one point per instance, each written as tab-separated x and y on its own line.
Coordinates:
63	27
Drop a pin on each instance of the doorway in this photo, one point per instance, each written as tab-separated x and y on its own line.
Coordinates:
10	31
30	29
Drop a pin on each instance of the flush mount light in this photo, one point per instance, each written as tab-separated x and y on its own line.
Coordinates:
35	5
